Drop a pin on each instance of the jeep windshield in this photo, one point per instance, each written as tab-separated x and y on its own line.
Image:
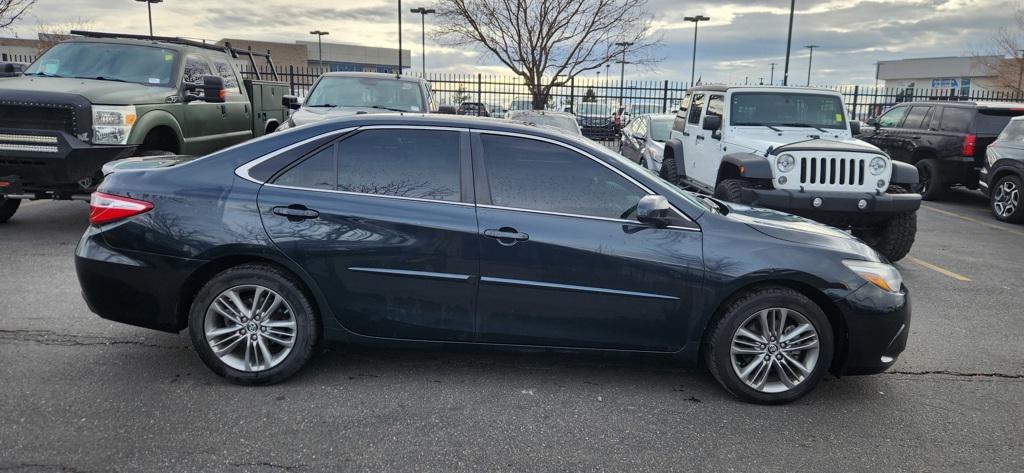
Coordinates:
782	109
138	64
594	109
367	92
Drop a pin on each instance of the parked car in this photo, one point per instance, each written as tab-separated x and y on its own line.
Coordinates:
637	109
475	109
945	140
563	121
1002	178
497	111
643	140
791	149
370	229
596	120
12	69
100	97
521	103
340	94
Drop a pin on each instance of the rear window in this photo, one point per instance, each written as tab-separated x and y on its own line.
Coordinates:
992	122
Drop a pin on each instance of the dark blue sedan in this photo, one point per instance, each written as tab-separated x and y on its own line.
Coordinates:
441	230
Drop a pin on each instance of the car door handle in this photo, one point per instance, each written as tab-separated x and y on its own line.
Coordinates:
506	236
686	133
296	213
700	137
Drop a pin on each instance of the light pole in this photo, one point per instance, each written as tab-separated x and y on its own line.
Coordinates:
771	79
693	65
622	71
399	38
149	8
423	32
789	42
810	59
319	44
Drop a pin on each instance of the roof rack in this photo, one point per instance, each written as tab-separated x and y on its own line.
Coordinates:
234	52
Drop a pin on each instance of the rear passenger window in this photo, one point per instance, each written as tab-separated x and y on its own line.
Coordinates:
316	172
535	175
680	121
423	164
696	107
915	117
956	119
227	73
716	104
195	68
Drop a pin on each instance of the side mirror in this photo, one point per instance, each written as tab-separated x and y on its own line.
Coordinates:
854	127
872	122
654	210
212	87
712	123
290	102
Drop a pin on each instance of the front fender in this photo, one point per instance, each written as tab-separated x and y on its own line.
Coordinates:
751	166
903	174
152	119
674	148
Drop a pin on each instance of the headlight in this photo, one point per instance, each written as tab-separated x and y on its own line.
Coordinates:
785	163
112	124
877	165
885	276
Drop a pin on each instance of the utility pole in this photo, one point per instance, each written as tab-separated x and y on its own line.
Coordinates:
622	71
423	32
789	41
1020	73
771	78
149	7
810	59
399	38
319	44
693	65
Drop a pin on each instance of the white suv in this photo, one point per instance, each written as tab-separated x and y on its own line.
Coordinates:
792	149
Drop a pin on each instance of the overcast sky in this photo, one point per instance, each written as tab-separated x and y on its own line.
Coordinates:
741	40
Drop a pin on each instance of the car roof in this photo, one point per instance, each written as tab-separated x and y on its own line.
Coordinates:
543	112
138	42
759	88
440	120
373	75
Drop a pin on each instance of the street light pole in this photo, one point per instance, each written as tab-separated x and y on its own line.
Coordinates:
771	79
319	44
693	65
810	59
423	32
149	8
622	71
789	41
399	38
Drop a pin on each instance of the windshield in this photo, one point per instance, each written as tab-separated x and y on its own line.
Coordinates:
594	109
119	62
787	109
660	129
367	92
644	109
561	122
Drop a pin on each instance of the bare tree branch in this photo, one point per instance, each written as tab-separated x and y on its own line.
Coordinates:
1006	42
550	42
12	10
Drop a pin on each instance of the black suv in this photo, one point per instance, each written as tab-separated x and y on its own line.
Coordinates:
945	140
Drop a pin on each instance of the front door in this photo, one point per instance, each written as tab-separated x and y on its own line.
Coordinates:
383	224
883	133
691	145
564	263
204	123
707	144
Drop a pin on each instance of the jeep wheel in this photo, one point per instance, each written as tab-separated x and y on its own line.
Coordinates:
1005	199
730	190
7	208
930	184
668	171
892	238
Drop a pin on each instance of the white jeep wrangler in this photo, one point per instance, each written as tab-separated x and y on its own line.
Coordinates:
792	149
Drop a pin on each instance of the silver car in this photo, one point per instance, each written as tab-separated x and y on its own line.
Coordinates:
340	94
643	141
565	122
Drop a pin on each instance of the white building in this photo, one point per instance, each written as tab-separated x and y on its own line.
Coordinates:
964	74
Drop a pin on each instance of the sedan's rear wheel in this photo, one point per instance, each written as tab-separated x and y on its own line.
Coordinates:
253	324
770	346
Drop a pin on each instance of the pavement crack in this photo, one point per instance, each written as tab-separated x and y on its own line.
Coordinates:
51	338
40	467
268	465
960	374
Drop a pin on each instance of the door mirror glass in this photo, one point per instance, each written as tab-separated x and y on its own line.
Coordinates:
654	210
290	102
212	88
854	127
712	123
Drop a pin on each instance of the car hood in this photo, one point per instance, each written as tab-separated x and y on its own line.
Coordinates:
760	139
306	115
95	91
796	229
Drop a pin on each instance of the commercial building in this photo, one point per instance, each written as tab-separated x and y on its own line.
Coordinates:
336	56
20	50
961	74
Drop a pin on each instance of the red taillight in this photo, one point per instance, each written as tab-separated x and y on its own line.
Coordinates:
106	208
969	141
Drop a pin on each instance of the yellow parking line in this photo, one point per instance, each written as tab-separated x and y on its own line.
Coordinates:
937	269
969	219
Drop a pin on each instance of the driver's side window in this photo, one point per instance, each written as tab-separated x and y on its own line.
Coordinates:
893	117
696	108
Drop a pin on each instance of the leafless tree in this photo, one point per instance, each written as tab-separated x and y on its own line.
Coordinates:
12	10
549	42
53	33
1006	42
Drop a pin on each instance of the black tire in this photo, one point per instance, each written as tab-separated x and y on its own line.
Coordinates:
730	190
643	162
669	172
1011	183
718	344
895	237
8	207
930	184
307	332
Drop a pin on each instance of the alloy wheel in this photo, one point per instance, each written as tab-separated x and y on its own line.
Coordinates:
250	328
774	350
1006	198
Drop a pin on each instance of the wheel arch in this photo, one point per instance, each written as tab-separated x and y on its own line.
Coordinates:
161	122
1004	171
922	152
674	150
822	300
744	166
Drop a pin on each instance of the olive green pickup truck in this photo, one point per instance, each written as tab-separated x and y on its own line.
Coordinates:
99	97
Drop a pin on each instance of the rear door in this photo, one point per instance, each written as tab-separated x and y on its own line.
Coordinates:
384	223
205	122
238	122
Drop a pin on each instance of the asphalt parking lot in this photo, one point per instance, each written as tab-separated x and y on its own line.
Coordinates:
78	393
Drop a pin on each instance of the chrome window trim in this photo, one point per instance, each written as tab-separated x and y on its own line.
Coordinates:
363	194
647	190
589	217
573	287
405	272
243	170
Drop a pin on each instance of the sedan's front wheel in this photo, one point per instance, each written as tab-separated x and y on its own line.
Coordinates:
771	346
253	324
